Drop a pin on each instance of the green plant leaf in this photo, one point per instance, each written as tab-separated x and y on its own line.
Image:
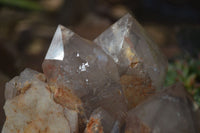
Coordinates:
23	4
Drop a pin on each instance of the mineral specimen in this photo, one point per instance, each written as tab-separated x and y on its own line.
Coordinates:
141	65
167	112
31	109
89	88
82	76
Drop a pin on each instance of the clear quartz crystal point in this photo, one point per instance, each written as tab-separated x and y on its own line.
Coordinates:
138	58
81	75
170	111
56	49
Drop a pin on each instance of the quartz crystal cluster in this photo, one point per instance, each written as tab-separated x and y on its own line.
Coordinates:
112	85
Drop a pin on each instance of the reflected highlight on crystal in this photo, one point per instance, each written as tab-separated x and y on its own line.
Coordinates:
56	49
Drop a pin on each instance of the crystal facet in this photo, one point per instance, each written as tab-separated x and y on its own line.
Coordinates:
85	78
56	49
136	56
167	112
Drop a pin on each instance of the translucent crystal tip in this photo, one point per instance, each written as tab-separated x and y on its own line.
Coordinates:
56	49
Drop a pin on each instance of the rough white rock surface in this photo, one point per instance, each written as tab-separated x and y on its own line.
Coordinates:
31	109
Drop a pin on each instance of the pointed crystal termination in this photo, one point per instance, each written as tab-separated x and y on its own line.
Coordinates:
82	76
138	58
56	49
169	111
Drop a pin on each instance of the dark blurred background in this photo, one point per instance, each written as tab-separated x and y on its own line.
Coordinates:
27	27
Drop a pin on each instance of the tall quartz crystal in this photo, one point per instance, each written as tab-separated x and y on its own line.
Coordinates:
141	65
82	76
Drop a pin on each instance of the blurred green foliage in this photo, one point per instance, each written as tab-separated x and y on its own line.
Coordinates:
22	4
188	72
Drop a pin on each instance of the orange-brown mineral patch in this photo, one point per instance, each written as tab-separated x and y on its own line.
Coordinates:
41	77
65	97
34	127
133	64
27	85
94	126
136	89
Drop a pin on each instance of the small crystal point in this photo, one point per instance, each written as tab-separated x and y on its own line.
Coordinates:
56	50
85	78
138	58
169	111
